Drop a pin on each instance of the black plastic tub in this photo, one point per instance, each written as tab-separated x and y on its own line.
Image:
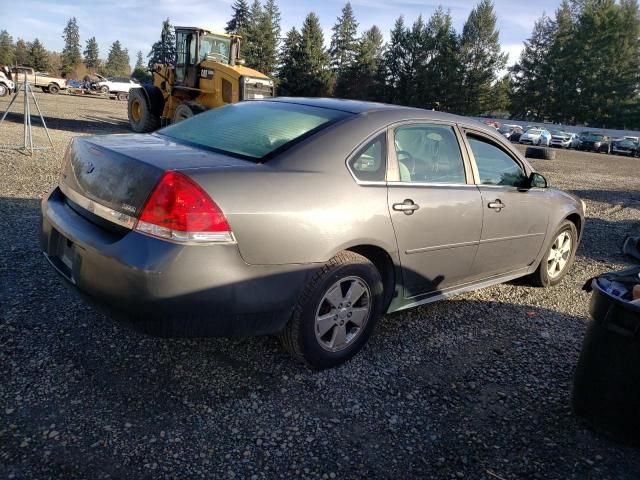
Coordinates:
606	387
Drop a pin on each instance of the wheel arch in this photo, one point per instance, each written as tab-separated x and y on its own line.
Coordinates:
576	219
385	266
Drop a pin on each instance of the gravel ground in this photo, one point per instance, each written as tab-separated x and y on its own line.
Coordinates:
474	387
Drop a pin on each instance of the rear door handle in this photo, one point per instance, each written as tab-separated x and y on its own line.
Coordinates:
496	205
408	207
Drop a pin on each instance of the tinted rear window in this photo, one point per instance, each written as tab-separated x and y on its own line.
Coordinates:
254	129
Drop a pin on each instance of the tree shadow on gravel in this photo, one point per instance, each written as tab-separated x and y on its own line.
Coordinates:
105	124
627	198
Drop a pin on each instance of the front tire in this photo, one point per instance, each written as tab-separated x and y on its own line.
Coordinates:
141	117
336	312
558	258
104	89
4	91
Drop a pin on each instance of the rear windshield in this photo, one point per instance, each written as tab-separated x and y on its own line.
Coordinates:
254	129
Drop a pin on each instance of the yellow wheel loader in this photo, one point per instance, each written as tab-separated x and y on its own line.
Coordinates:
207	73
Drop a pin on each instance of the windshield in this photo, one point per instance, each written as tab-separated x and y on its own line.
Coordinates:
505	129
593	137
559	133
216	47
253	129
534	131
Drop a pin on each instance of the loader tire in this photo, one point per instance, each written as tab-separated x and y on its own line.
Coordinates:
141	117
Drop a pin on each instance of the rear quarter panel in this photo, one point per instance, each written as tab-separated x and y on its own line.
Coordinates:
303	206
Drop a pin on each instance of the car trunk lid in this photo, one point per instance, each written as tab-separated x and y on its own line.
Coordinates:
120	171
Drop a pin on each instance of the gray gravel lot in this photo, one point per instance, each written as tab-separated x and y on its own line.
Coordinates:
475	387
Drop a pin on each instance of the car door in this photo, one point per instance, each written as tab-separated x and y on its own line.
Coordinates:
435	208
515	217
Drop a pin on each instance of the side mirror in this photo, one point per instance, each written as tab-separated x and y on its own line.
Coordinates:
537	181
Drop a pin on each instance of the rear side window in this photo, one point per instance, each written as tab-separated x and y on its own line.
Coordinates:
428	153
370	163
253	130
495	167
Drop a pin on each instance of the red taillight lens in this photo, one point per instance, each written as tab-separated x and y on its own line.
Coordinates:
179	209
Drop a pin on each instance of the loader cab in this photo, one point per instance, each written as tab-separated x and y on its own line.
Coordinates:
195	45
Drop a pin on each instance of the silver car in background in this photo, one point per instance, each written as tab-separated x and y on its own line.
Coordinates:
304	218
562	139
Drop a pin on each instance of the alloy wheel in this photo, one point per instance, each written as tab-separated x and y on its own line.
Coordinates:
342	313
559	254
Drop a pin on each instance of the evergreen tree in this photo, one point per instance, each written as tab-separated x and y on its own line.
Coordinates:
21	53
481	58
289	71
164	50
92	53
391	72
239	18
359	80
313	64
71	55
266	39
117	63
344	41
38	57
7	49
531	75
441	72
140	72
563	66
251	35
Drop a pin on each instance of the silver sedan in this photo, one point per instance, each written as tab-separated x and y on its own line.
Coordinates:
305	218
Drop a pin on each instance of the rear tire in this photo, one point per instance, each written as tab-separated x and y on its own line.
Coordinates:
122	96
4	91
53	89
322	331
549	272
141	117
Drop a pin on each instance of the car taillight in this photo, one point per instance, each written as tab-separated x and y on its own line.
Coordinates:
180	210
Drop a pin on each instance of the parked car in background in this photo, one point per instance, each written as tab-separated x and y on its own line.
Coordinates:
48	83
492	123
169	230
562	139
536	136
6	86
118	86
509	131
595	142
627	147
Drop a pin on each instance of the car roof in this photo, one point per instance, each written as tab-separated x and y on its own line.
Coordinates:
392	112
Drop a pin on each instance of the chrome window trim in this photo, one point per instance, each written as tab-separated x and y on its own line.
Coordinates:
121	219
430	184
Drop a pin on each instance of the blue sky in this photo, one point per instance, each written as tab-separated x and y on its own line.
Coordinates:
137	23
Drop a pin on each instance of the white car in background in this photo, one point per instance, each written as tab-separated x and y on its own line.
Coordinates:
119	86
536	136
562	139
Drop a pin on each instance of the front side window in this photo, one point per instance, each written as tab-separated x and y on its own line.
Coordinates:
428	153
253	130
495	166
370	163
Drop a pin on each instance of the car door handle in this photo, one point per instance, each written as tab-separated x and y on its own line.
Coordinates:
408	207
496	205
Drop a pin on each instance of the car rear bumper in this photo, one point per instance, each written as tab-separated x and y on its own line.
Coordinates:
164	288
